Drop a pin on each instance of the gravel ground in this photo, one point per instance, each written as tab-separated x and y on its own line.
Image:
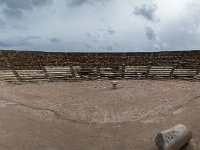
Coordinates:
90	115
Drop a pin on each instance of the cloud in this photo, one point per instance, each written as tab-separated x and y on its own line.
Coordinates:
151	34
109	47
18	41
99	40
41	3
18	27
182	32
89	25
55	40
193	10
182	29
25	4
33	37
14	9
14	42
93	37
78	3
147	11
165	45
156	47
111	31
88	46
137	49
2	23
6	43
12	13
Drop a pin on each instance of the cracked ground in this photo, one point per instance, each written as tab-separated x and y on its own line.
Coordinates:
89	115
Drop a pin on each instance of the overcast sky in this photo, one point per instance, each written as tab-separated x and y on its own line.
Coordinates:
100	25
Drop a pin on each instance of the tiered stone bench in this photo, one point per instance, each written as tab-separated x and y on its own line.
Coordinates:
7	76
58	72
31	75
160	71
132	72
20	66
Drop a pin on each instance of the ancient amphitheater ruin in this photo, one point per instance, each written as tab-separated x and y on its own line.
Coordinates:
57	100
33	66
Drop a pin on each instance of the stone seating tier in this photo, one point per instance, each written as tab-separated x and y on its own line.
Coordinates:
33	65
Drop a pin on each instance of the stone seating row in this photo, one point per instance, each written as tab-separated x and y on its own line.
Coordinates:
78	72
7	76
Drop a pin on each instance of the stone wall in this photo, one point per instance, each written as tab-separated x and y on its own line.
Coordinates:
33	60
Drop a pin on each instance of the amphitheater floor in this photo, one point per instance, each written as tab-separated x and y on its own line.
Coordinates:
89	115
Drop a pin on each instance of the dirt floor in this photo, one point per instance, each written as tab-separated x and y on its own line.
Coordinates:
89	115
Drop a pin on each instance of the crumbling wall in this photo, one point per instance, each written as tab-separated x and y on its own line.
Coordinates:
33	59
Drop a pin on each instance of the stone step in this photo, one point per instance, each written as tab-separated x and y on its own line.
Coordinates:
7	76
161	67
35	80
59	72
183	75
158	73
53	76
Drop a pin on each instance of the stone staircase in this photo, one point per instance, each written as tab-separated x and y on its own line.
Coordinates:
76	70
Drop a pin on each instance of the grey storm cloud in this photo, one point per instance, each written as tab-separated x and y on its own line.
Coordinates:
6	43
93	37
99	39
55	40
107	47
147	11
2	23
18	41
14	42
13	13
18	27
100	33
15	8
108	30
77	3
25	4
111	31
98	25
33	37
151	34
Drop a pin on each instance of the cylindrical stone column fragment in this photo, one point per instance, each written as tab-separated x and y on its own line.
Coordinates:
173	138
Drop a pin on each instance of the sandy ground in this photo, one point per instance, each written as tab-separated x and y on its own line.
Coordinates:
89	115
